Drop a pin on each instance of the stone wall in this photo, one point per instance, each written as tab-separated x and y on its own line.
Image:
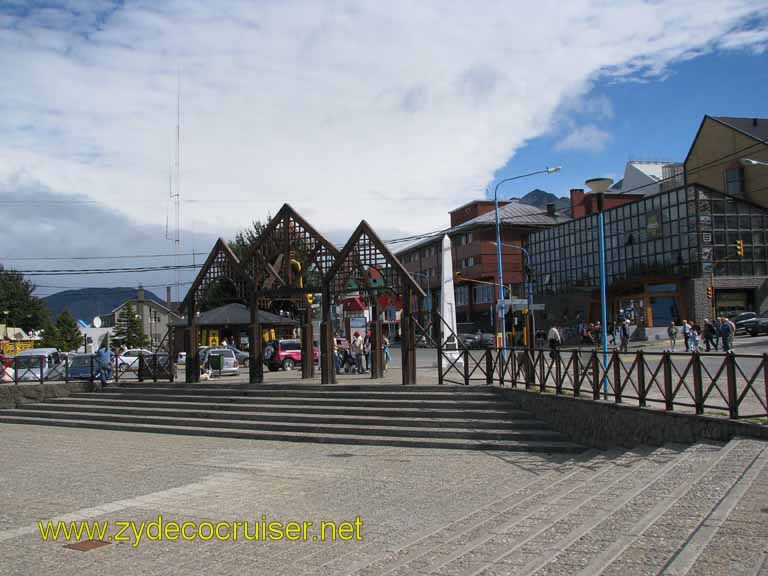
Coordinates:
605	425
12	395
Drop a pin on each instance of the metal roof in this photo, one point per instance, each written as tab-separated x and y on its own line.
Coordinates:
515	213
236	314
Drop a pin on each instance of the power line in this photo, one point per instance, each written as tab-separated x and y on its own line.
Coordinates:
123	257
84	271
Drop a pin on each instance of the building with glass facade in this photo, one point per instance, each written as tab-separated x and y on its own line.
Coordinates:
662	252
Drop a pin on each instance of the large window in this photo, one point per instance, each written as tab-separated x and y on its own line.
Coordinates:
484	294
734	181
462	295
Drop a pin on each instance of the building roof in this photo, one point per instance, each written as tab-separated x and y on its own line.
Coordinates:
236	314
514	213
756	128
147	302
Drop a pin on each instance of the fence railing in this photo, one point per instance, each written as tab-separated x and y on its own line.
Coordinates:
85	367
735	385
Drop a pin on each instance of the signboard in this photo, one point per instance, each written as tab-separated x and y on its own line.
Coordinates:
11	347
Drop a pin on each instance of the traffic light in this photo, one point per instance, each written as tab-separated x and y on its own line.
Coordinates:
740	248
710	292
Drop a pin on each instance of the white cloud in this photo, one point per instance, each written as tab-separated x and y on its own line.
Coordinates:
395	112
589	138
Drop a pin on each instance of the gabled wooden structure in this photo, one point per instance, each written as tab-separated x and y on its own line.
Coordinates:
291	261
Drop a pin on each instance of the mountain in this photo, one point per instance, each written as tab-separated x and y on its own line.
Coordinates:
540	199
86	303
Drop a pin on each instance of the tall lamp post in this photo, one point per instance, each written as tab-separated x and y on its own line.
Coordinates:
501	310
529	287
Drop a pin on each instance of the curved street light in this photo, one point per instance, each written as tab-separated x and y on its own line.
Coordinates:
501	311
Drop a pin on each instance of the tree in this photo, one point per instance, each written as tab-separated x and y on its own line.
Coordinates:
129	330
247	237
70	337
24	310
51	336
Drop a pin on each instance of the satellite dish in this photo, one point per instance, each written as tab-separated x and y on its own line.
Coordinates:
96	322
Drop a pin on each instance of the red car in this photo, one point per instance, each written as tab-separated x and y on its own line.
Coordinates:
285	354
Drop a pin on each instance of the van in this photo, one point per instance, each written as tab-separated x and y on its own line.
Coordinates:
27	363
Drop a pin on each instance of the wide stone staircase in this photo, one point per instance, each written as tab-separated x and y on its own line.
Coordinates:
391	415
674	510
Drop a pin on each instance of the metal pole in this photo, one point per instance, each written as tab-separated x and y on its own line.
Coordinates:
604	310
500	309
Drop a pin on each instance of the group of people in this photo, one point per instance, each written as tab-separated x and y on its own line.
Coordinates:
590	334
715	334
360	350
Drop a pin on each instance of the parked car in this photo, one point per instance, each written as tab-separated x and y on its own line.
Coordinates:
6	373
242	357
219	361
743	321
79	366
28	362
759	325
286	354
129	360
468	340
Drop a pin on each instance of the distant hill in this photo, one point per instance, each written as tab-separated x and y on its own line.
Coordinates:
540	199
86	303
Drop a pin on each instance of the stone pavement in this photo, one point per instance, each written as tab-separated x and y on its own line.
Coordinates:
700	510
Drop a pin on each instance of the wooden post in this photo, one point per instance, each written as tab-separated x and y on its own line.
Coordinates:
255	346
698	391
377	354
617	388
730	371
193	356
641	392
667	361
408	339
307	348
327	360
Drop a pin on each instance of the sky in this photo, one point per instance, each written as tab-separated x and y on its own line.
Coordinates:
391	112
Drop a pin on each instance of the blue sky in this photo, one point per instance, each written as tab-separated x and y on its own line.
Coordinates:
655	119
392	112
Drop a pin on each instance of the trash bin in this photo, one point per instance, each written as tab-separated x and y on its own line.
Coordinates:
215	362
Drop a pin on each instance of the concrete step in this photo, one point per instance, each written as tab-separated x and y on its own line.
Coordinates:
447	550
670	536
495	412
448	402
520	423
399	393
319	437
289	386
459	432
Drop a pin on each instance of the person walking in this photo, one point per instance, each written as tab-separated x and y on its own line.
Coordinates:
357	351
387	355
709	335
693	338
727	330
686	335
672	334
367	351
554	339
624	336
104	359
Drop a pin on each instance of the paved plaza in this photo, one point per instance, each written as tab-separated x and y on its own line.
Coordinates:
424	511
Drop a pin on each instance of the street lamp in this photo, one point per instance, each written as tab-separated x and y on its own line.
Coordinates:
529	287
750	162
501	310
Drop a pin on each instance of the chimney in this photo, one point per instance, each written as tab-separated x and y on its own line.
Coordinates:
577	202
550	209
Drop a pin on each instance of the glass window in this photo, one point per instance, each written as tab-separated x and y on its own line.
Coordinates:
734	181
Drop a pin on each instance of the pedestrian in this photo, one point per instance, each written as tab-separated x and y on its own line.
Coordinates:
672	335
727	330
716	328
387	355
104	359
709	335
686	335
357	351
367	351
693	338
554	338
624	336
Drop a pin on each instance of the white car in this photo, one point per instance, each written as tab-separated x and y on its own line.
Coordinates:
129	360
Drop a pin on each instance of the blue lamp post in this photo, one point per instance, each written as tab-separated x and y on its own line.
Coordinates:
501	310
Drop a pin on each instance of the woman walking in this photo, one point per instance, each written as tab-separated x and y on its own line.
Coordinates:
672	334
